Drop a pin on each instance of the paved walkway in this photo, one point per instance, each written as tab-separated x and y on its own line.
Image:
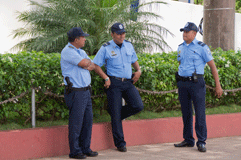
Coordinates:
227	148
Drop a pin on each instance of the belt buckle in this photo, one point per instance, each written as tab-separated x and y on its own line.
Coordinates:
122	79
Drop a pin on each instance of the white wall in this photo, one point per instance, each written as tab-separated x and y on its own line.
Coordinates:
8	22
175	15
191	1
237	32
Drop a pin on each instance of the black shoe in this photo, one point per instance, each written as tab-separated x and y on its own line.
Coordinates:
201	148
91	154
78	156
183	144
122	149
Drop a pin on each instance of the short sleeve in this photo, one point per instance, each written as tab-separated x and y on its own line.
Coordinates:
134	57
71	56
207	55
100	57
178	54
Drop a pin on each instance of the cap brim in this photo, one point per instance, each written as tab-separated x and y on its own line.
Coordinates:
120	32
184	29
85	35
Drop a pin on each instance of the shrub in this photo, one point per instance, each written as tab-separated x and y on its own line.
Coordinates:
20	72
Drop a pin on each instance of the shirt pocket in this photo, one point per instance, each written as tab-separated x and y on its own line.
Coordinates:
196	58
129	54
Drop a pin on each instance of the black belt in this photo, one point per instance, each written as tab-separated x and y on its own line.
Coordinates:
189	78
80	89
121	79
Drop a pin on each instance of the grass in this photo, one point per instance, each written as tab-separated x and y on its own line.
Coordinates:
106	118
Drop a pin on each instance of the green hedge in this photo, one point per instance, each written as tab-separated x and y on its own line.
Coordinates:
19	72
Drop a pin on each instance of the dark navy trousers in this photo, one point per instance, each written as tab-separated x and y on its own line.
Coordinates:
115	92
195	92
80	121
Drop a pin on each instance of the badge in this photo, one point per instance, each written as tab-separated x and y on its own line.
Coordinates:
209	52
186	24
71	47
113	53
120	26
179	52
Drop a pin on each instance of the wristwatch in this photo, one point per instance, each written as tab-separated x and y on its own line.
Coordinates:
107	79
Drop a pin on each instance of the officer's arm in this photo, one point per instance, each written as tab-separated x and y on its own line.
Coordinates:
136	67
218	88
87	64
102	74
137	74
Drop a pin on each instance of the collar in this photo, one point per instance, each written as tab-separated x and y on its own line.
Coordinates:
195	41
115	45
69	44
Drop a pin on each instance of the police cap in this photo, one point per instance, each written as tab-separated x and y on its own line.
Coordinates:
118	28
189	26
76	32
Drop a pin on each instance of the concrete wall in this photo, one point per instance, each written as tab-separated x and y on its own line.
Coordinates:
53	141
175	15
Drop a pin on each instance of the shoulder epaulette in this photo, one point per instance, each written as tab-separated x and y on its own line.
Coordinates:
127	41
201	43
106	44
180	44
71	47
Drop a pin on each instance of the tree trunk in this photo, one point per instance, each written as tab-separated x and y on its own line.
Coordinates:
219	18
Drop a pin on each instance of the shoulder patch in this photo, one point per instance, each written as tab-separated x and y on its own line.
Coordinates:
180	44
71	47
201	43
127	41
106	44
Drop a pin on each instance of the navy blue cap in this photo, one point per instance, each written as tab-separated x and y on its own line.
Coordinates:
189	26
118	28
76	32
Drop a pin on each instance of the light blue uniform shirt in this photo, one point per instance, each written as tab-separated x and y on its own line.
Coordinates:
70	57
193	56
117	60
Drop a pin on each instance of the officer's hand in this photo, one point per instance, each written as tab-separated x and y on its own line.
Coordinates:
91	67
136	77
218	91
107	84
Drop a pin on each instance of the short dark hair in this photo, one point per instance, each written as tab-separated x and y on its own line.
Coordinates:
71	39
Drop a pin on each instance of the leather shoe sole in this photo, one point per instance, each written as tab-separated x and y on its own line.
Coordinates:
91	154
78	156
122	149
201	148
183	144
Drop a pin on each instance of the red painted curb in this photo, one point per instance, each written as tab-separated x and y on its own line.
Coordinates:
53	141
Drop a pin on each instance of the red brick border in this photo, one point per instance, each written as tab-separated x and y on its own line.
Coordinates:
53	141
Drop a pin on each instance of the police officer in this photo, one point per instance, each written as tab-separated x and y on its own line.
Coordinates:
118	55
76	67
192	57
